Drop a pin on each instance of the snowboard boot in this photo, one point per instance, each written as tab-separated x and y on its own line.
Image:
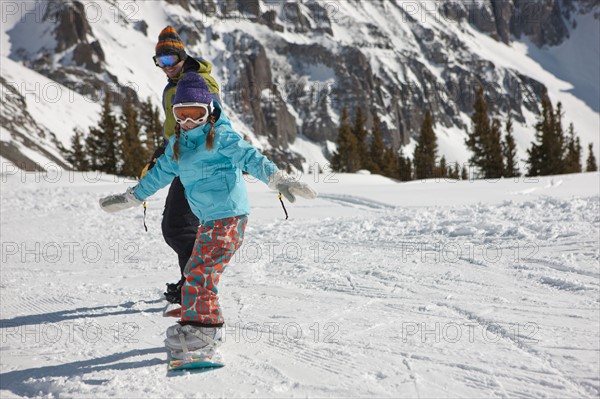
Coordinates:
183	341
173	293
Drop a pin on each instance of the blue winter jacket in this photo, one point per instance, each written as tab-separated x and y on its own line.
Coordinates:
213	182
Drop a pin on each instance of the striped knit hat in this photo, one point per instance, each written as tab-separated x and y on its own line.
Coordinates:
169	42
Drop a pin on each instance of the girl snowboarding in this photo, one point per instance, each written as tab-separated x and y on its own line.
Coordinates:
209	158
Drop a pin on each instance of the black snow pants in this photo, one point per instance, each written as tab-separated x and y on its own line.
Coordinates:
179	224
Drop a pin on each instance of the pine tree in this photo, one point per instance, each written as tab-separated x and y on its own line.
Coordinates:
102	143
401	166
360	132
537	157
455	172
134	155
77	156
151	125
390	163
484	140
377	148
477	140
346	158
442	169
573	156
591	164
547	154
404	167
464	173
410	171
509	151
557	148
494	165
426	150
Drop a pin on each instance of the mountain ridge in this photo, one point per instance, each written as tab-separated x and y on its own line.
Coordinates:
287	68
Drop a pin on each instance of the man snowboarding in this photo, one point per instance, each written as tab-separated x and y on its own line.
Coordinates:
179	224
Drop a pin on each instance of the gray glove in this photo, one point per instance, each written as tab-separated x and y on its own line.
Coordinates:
118	202
289	187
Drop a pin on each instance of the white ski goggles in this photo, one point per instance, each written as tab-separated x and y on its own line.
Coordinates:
192	112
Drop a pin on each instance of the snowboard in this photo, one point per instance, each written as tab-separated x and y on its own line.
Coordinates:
192	361
196	362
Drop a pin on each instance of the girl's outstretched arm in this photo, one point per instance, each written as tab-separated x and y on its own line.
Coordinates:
244	156
163	172
249	159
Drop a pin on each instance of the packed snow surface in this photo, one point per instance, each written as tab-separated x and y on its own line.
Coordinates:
375	289
568	71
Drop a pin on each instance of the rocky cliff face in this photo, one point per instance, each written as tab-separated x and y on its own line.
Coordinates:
65	50
544	22
289	67
27	136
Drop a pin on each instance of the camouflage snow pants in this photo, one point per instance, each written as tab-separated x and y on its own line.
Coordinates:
216	243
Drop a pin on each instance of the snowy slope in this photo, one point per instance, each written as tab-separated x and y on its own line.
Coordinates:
426	289
381	31
566	71
575	61
54	106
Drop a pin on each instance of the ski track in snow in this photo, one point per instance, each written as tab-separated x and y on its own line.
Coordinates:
356	295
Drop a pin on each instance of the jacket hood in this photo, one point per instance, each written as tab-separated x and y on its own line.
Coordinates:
191	64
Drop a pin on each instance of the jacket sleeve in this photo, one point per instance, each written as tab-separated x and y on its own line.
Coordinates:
167	99
163	173
244	156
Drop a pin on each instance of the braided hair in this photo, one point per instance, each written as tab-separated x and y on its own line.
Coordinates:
210	137
176	145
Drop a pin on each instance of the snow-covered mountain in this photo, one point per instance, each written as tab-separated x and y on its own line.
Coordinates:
288	67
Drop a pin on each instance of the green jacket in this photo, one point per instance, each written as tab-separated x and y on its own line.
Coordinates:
199	66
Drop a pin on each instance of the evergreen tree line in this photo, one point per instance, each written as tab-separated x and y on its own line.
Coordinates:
356	152
493	148
554	151
118	145
115	145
